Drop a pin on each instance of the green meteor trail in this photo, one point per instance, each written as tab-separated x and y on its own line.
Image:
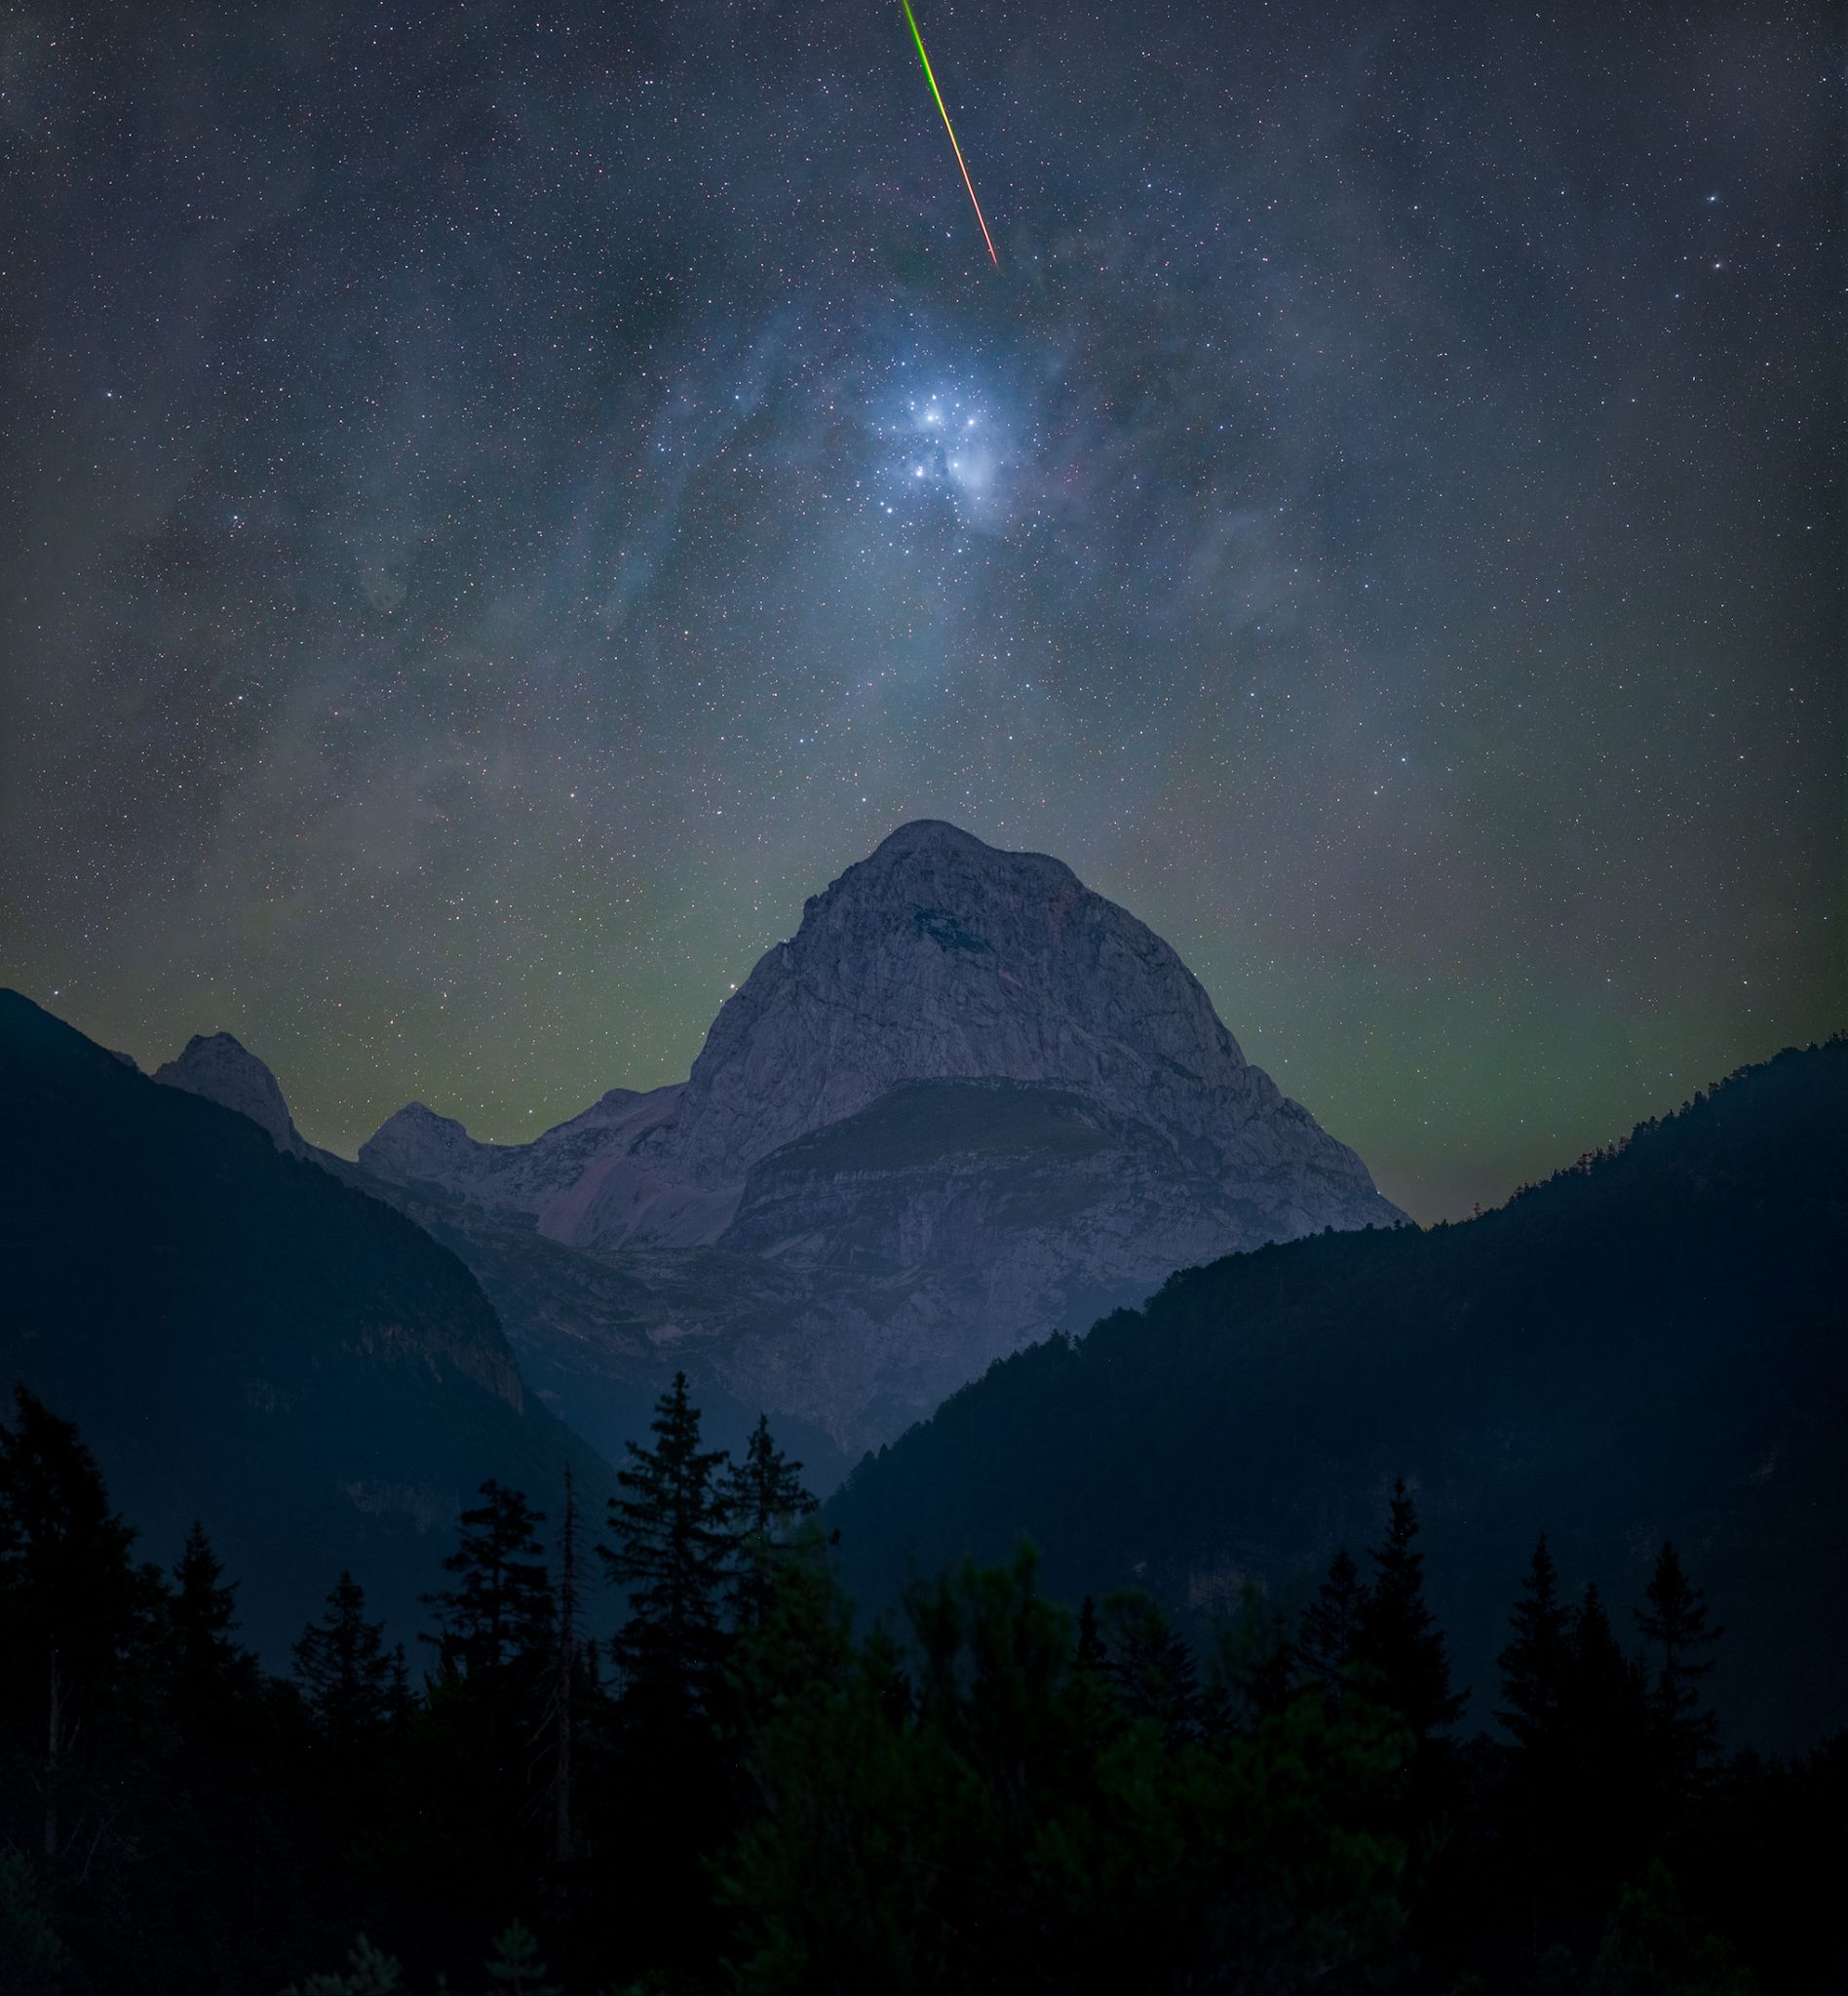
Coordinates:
911	20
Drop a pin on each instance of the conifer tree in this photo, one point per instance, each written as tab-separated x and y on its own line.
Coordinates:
66	1581
353	1689
1396	1637
77	1616
1325	1639
763	1498
1152	1667
764	1493
565	1671
1260	1660
672	1553
1602	1695
501	1612
1675	1621
1602	1770
203	1609
209	1669
1533	1665
517	1967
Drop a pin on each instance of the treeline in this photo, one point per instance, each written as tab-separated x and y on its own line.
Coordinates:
740	1792
1657	1338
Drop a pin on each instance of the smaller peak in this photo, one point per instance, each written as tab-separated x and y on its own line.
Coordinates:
217	1056
224	1070
420	1116
220	1041
415	1143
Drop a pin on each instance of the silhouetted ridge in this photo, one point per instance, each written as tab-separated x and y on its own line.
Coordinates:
1650	1343
240	1335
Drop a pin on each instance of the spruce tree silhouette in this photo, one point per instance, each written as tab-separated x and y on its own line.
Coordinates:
763	1497
209	1669
1603	1748
500	1615
674	1554
1675	1622
1396	1637
1326	1637
352	1685
77	1617
1152	1666
1533	1665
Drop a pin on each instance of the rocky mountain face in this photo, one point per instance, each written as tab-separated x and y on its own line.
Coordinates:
220	1068
1652	1344
969	1102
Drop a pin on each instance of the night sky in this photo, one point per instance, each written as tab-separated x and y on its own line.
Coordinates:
499	503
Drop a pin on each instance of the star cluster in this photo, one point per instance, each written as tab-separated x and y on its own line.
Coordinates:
503	502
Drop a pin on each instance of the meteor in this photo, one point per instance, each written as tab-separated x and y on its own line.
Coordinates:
912	22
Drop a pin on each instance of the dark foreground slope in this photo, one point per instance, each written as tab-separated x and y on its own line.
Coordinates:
1654	1342
243	1339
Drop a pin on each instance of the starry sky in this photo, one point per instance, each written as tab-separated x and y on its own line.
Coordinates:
500	502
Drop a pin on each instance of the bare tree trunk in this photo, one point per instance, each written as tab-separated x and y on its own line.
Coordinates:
54	1732
567	1675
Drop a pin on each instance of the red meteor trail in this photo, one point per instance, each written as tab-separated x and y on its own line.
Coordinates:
911	20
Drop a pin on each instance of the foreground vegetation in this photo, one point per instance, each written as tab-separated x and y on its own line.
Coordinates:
740	1792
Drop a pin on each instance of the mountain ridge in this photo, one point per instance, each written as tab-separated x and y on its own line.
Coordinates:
939	964
1651	1344
246	1337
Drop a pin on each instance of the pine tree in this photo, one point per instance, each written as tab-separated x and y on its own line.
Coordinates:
565	1671
674	1554
1326	1637
1603	1776
1258	1669
209	1669
78	1619
1396	1637
517	1967
352	1687
1533	1665
763	1497
203	1610
501	1613
1152	1667
1676	1620
1601	1695
66	1582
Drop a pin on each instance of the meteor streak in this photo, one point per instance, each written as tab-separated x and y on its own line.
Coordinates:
912	22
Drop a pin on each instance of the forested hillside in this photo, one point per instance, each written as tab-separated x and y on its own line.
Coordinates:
736	1796
244	1338
1653	1342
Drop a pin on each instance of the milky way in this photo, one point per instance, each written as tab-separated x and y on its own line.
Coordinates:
502	502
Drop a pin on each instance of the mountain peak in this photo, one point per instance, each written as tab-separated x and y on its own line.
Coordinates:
221	1068
933	845
940	958
416	1144
924	831
931	834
